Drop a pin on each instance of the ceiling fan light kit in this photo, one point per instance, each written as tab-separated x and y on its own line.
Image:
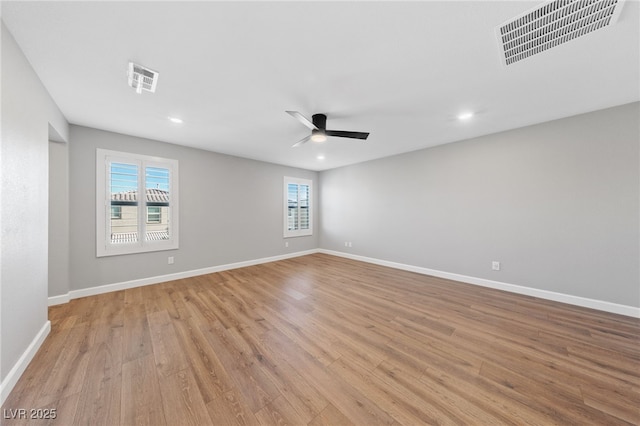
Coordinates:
318	136
319	132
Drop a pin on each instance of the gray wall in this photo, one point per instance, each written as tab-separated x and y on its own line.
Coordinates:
231	210
58	219
557	204
28	113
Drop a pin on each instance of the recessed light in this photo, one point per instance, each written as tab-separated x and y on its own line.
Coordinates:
320	157
465	116
176	120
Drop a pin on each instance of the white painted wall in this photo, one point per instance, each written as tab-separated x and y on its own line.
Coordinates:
231	210
58	219
556	203
27	113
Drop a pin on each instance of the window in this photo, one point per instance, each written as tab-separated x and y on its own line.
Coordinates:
153	214
297	207
116	212
137	203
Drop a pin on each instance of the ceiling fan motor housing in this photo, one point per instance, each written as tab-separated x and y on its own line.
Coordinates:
320	121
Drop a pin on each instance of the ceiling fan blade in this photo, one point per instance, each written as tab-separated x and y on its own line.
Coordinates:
301	118
345	134
301	141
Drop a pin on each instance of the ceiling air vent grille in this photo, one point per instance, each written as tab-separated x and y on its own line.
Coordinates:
141	78
552	24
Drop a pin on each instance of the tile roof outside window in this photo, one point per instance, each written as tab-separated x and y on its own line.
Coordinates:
153	196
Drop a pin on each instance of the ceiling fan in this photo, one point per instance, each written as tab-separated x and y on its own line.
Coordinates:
319	132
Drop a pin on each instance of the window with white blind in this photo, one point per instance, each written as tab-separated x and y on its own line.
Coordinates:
137	203
298	218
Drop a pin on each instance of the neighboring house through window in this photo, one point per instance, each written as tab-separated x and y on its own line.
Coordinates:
298	218
126	221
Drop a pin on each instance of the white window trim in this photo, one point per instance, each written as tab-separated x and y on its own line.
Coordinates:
103	204
298	232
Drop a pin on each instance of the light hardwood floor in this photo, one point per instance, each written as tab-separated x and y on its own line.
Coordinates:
321	340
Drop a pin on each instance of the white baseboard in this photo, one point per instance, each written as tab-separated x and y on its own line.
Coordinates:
600	305
10	381
75	294
59	300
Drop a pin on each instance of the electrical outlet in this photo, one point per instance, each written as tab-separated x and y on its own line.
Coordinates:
346	244
286	243
350	245
170	260
495	265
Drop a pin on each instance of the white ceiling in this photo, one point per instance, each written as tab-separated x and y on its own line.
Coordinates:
400	70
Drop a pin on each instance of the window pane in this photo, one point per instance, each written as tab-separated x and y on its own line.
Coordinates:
303	195
124	177
157	178
157	192
292	210
123	184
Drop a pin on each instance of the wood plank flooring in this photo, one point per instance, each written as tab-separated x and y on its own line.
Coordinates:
321	340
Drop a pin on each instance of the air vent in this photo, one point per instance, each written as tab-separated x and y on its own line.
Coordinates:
141	78
554	23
